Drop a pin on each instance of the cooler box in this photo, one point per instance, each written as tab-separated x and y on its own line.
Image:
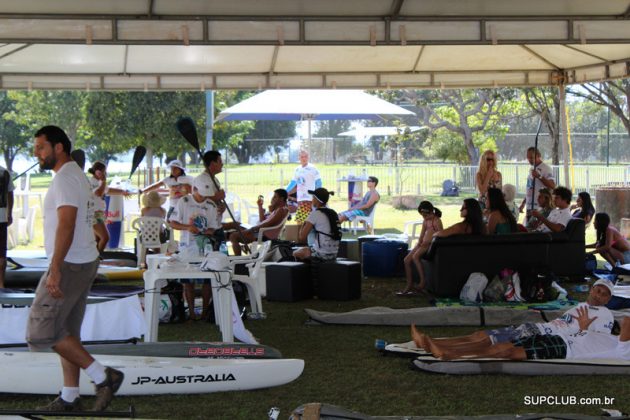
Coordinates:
384	258
366	238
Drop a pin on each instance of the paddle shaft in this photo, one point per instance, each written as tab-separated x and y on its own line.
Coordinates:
531	207
17	176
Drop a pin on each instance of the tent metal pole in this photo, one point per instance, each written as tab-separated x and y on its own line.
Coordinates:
564	131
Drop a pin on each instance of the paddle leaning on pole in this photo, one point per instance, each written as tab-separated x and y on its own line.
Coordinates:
186	127
531	207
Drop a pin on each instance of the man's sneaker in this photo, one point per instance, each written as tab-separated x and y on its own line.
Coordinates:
105	391
58	404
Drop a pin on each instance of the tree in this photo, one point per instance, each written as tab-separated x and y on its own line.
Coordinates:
231	134
614	95
15	138
474	115
253	145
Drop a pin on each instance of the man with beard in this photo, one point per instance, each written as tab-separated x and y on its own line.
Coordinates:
57	311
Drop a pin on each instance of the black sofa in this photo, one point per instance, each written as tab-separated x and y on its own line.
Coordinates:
450	261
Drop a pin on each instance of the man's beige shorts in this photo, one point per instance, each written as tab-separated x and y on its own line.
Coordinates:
50	319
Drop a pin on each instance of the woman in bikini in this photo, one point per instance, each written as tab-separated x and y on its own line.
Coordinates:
610	242
431	224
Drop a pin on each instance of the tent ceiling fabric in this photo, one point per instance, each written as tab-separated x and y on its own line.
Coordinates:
253	44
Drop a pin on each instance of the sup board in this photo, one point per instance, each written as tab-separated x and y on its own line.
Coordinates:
523	367
185	349
40	373
30	276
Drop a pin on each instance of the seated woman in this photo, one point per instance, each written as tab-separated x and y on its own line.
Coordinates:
583	207
472	223
366	205
610	242
278	210
152	203
545	205
500	218
431	224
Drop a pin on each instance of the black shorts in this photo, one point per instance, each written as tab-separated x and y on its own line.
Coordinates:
543	347
3	239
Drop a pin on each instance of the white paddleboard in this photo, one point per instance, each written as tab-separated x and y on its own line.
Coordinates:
40	373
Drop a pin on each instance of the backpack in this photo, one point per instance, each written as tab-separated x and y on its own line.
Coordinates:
495	290
472	292
280	251
335	226
173	305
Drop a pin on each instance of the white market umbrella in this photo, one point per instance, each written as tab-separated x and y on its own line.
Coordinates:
309	105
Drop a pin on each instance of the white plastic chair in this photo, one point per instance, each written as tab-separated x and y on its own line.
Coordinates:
367	220
413	226
251	280
259	241
148	229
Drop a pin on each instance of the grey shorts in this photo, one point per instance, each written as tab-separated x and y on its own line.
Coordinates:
322	256
508	334
50	319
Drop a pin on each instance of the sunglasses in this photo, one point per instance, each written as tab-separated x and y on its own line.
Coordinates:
490	159
425	211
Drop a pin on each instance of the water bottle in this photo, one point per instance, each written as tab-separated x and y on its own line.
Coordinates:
223	248
380	344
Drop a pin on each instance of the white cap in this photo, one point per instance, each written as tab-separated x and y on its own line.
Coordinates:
606	283
177	164
204	185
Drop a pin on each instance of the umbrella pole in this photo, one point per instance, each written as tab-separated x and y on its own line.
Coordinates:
308	144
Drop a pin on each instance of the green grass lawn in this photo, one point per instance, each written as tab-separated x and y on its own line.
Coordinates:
343	368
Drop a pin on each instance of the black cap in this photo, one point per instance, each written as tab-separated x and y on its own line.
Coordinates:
321	194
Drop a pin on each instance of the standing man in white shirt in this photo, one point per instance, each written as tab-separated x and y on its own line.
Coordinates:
540	176
57	311
6	218
306	178
559	216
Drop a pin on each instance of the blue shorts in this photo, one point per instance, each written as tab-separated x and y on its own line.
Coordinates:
626	257
510	334
352	214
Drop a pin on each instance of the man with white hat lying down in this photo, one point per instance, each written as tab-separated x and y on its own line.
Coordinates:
601	321
581	345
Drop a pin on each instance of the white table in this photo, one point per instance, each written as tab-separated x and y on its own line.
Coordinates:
155	278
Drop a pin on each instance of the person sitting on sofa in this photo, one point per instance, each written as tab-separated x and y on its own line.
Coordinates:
509	194
472	223
431	224
583	207
582	345
610	242
559	216
602	321
500	218
544	207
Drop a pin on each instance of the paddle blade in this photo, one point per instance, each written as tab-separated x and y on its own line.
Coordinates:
78	156
186	127
138	155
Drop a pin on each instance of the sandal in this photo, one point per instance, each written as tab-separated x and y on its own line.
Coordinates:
405	293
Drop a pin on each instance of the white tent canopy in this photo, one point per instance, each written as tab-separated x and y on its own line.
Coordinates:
252	44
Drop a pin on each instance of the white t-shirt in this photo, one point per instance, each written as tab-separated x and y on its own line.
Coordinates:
188	211
176	187
99	202
4	216
70	187
546	172
322	243
305	178
205	186
593	345
567	325
561	216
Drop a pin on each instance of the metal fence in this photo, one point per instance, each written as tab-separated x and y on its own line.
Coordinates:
417	179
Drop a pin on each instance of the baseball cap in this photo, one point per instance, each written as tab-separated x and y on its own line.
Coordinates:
321	194
606	283
203	184
177	164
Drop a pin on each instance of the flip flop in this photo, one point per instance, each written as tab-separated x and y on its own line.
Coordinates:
405	293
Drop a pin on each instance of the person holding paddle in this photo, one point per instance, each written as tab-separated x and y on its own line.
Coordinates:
540	176
57	311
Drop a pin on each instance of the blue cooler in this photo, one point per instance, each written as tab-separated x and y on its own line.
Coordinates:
384	258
